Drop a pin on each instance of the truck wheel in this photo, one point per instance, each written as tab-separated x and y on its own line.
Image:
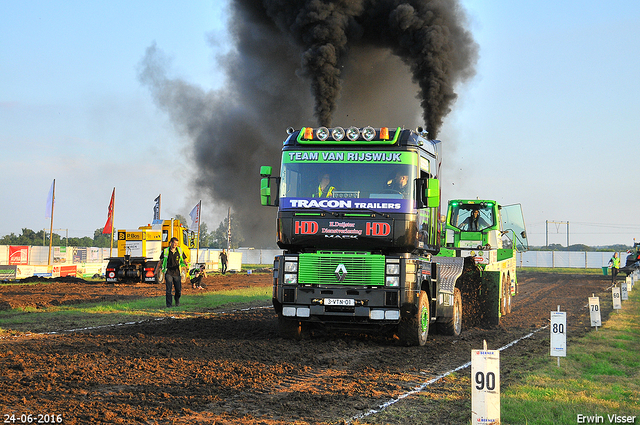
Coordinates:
453	325
289	328
414	330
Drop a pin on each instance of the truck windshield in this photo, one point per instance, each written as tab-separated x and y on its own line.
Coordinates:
472	217
379	186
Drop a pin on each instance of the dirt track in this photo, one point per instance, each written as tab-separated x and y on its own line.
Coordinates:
233	367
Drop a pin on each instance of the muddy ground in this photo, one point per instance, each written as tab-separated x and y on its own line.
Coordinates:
232	367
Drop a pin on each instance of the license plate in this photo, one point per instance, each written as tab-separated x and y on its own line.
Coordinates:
340	301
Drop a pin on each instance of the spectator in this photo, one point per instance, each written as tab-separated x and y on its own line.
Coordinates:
172	260
195	275
614	262
223	261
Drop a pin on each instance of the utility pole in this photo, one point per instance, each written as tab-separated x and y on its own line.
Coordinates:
546	231
228	229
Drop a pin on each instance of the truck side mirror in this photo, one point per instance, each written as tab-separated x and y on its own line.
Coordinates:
265	186
265	171
433	193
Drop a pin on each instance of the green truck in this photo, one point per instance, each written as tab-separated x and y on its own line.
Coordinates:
489	236
358	223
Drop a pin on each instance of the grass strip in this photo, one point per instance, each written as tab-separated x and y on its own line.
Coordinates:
53	319
599	378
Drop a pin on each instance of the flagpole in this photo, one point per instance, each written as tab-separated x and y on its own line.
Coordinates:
113	217
198	236
53	201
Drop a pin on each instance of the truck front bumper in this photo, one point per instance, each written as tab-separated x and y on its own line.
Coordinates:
334	304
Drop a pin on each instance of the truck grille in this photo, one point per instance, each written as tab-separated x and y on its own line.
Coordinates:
357	269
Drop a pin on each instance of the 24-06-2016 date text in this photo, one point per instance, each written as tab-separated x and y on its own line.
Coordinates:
31	418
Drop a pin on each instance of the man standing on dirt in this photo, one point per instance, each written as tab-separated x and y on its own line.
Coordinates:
615	266
172	259
223	261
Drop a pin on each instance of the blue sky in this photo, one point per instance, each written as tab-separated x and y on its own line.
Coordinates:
549	121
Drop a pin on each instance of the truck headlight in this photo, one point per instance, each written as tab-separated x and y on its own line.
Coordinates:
368	133
393	268
392	281
322	133
337	133
291	278
291	266
353	133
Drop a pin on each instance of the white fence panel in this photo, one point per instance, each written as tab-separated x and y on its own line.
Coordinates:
566	259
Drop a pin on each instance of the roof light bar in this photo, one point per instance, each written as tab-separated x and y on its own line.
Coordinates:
352	135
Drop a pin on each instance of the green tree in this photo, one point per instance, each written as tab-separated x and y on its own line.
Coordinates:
28	237
100	240
205	237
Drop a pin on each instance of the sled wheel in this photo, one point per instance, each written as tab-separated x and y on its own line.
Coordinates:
453	325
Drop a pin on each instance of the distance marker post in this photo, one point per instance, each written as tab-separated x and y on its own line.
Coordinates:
594	311
615	295
624	291
558	347
485	386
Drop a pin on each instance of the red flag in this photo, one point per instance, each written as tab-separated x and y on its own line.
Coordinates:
107	227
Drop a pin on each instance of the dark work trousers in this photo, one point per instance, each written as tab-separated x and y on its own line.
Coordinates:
173	281
614	274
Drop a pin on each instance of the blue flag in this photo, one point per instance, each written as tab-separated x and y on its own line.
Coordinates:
50	200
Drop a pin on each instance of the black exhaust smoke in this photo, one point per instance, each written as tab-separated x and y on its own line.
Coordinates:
283	47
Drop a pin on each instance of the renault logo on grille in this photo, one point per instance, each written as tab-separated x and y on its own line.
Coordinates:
341	272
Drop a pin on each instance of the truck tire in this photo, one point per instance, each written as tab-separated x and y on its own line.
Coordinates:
453	325
289	328
414	330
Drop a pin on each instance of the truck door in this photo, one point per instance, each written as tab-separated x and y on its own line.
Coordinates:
513	223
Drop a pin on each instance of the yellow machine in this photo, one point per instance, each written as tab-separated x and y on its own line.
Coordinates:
139	251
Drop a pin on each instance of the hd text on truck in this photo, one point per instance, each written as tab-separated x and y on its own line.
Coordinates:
358	223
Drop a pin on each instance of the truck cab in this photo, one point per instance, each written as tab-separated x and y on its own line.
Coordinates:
489	236
358	223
